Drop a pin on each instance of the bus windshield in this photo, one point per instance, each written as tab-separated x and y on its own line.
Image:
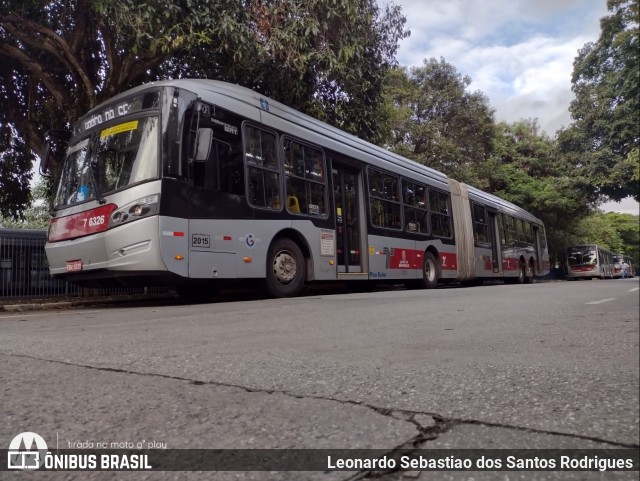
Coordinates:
583	256
110	159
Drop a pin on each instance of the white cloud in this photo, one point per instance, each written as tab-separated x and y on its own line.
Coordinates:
626	206
518	52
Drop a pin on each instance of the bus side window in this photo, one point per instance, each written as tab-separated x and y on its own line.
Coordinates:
217	152
510	234
480	225
415	207
231	169
520	228
305	181
528	232
440	214
261	162
384	202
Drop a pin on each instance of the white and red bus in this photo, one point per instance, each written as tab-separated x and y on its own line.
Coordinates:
589	261
199	184
618	262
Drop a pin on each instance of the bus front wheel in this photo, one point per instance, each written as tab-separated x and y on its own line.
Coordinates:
285	269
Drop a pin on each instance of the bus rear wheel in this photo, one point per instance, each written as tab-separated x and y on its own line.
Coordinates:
285	269
431	272
522	274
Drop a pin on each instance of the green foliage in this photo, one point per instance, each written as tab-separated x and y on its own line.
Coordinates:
437	122
35	216
614	231
603	141
327	58
527	169
596	228
60	58
628	228
15	174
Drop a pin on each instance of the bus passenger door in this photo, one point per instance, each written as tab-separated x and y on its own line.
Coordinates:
496	248
349	225
537	245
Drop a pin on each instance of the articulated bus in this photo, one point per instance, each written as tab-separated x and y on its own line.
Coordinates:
198	183
588	262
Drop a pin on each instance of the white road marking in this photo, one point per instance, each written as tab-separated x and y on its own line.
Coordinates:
634	289
602	300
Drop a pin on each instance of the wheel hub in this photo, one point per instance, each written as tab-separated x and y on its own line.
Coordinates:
284	267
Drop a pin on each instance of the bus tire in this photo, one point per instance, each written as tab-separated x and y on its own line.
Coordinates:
285	268
522	274
431	271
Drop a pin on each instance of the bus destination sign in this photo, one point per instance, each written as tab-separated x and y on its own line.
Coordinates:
116	110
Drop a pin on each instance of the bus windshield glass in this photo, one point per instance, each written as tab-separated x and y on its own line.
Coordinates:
111	159
582	256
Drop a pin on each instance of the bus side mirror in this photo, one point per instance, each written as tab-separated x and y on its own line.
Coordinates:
203	144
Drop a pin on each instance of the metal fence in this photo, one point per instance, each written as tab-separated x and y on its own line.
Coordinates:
24	271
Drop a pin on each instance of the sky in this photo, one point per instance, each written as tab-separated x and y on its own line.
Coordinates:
519	53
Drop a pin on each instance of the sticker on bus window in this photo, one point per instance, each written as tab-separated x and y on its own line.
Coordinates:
118	129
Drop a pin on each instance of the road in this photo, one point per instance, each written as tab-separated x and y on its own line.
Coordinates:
546	365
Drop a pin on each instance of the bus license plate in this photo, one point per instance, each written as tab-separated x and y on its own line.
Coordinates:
74	266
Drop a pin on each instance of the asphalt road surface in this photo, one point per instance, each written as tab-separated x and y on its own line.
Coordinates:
541	366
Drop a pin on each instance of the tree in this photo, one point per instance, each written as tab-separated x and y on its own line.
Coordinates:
15	173
595	228
326	58
437	122
603	141
60	58
628	228
527	169
36	216
612	230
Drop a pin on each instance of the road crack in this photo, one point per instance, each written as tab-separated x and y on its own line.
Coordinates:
429	425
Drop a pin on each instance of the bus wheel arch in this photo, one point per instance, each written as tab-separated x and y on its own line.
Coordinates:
288	262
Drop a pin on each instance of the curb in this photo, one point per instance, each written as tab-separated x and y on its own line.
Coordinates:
36	307
68	304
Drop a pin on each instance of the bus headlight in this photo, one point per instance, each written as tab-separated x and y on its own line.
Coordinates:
135	210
